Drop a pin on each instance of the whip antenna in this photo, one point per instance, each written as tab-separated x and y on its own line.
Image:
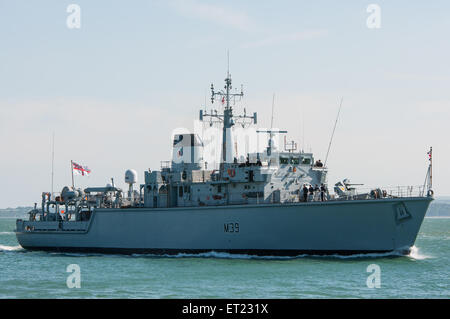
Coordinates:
53	159
332	134
273	105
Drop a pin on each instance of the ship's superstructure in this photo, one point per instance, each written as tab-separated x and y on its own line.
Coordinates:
275	201
272	176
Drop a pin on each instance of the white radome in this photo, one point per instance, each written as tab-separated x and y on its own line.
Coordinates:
131	176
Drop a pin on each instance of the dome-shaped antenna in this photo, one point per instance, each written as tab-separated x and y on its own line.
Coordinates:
130	179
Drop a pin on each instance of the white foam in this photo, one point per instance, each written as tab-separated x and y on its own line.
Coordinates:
415	254
10	248
223	255
213	254
6	233
356	256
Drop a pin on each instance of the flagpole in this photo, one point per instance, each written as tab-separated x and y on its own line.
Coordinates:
71	166
431	167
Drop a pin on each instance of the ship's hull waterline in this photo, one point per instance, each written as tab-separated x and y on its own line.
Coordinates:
335	227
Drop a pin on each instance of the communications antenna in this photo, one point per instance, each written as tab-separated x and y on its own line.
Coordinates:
271	132
227	119
334	128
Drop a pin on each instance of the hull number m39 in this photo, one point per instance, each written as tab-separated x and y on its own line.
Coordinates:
231	228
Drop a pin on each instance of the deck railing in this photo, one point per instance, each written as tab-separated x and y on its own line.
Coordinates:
388	192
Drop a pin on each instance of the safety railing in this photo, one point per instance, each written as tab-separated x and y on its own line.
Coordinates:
386	192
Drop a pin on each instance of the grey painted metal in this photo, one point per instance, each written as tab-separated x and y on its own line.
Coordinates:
368	225
269	204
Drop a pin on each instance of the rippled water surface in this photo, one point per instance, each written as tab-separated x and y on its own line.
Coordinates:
424	273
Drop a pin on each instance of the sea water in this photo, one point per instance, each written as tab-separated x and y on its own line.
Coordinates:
425	273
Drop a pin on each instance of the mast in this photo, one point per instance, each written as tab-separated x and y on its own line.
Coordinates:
431	167
428	183
271	127
53	160
228	116
71	168
227	119
303	127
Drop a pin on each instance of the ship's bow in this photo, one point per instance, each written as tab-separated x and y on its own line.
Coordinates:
409	215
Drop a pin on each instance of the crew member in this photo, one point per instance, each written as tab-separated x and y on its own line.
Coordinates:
305	193
311	192
322	192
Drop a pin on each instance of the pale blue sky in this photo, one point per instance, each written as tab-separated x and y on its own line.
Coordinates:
113	90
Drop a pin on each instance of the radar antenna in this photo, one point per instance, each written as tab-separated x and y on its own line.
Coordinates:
227	119
271	132
289	146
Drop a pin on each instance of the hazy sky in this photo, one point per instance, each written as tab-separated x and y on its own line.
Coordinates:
113	90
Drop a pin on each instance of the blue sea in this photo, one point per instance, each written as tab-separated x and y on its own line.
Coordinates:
425	273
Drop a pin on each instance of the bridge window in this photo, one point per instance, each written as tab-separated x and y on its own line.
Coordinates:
284	160
295	160
306	161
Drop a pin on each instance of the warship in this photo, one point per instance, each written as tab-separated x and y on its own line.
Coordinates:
273	202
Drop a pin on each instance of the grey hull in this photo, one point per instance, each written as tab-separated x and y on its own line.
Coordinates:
343	227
